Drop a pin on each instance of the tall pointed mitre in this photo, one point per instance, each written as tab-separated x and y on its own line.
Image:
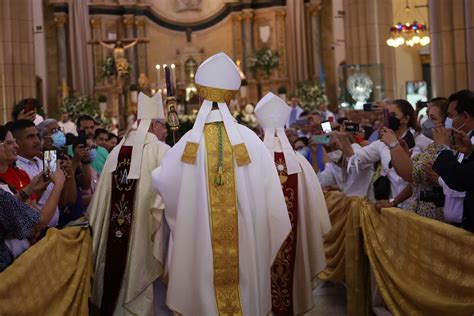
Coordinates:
272	114
148	109
217	80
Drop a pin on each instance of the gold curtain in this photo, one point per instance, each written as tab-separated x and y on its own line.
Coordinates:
421	266
346	261
53	277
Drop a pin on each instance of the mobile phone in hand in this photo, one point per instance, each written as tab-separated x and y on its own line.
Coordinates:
30	105
326	127
321	139
352	127
81	137
368	107
386	118
50	163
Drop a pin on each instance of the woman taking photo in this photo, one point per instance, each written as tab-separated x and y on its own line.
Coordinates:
20	222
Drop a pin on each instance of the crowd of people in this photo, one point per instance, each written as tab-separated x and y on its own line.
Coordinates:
400	159
417	163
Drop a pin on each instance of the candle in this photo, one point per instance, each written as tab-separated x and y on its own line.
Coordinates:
173	75
159	73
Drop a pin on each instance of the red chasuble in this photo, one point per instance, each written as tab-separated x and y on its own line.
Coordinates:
120	224
284	264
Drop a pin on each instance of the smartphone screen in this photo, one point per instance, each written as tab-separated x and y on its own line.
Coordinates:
81	137
320	139
30	105
50	161
326	127
352	127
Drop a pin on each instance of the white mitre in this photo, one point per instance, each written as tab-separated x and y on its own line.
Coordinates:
217	80
148	109
272	114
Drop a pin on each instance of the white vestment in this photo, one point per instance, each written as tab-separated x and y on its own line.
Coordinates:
263	225
144	258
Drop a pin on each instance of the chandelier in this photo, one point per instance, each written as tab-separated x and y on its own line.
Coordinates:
409	33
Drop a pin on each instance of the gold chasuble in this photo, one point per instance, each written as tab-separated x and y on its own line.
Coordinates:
224	219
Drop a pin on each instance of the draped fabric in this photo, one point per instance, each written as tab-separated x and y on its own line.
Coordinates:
53	277
80	52
344	252
421	266
296	41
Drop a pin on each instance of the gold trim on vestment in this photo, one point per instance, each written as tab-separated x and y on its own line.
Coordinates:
241	155
190	153
215	94
224	223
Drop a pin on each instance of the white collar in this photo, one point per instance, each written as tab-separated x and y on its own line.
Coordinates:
24	160
214	116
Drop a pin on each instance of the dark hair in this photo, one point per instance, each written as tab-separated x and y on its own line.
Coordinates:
465	101
84	118
100	131
17	126
407	110
3	132
303	139
442	104
304	113
20	106
112	135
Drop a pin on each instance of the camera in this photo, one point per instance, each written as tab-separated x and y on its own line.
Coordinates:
435	196
421	104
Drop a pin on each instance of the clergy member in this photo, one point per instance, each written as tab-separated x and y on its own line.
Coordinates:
301	256
126	215
224	206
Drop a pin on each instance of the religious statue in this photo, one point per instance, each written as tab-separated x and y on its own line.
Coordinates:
188	5
121	63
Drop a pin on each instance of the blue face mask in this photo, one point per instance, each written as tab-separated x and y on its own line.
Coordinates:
93	154
303	151
448	123
59	139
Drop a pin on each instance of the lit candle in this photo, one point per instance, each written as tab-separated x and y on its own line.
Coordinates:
173	75
159	74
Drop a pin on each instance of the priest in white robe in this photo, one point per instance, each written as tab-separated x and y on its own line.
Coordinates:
302	255
224	206
126	217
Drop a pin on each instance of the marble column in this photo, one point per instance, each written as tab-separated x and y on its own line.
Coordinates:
281	45
452	46
97	50
129	21
247	15
140	23
60	19
469	17
314	11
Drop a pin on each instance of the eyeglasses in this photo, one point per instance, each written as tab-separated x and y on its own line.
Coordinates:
57	129
8	142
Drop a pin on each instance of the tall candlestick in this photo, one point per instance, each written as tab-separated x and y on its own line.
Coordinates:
158	73
164	74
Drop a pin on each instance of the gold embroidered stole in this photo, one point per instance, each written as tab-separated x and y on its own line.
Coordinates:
224	219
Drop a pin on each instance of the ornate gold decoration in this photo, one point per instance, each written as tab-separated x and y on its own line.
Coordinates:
190	153
60	19
128	20
247	15
95	22
215	94
224	224
315	8
241	155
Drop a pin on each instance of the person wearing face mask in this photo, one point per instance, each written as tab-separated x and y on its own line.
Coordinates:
401	126
427	197
335	173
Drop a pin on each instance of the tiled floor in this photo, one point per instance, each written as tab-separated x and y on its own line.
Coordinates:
329	300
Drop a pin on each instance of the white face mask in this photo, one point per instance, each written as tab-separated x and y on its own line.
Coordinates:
335	155
448	123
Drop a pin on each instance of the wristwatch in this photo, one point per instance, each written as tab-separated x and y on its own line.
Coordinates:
393	145
441	147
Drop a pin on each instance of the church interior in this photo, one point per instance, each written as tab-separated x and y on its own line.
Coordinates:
58	48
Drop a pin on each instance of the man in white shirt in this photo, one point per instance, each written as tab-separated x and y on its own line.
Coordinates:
326	115
295	112
67	124
29	148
